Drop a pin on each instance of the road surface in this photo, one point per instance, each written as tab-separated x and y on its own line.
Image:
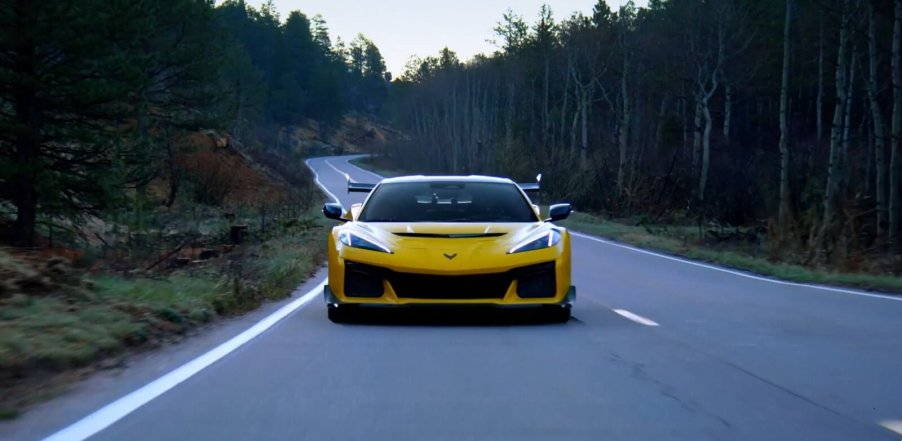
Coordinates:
658	349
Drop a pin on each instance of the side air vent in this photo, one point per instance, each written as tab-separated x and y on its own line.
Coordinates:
363	280
536	281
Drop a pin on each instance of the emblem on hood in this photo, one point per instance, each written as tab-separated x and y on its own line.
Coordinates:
449	256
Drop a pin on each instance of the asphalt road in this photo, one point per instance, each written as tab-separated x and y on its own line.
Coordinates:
659	349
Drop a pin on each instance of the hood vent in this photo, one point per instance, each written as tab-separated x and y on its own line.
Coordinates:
451	235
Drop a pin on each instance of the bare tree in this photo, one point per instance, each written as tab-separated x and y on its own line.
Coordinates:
836	135
895	212
785	210
876	119
730	34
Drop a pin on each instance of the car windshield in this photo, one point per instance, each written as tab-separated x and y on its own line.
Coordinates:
447	201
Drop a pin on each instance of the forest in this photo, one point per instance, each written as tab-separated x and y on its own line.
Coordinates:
100	99
784	116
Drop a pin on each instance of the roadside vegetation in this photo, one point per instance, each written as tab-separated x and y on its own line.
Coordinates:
61	318
747	255
152	175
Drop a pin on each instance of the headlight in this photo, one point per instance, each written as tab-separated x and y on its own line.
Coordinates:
355	241
546	240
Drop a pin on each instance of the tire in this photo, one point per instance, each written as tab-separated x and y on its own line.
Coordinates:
339	314
559	315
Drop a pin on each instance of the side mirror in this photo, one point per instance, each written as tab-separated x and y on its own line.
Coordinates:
334	211
559	212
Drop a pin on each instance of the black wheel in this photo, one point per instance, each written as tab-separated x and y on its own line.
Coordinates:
340	314
559	315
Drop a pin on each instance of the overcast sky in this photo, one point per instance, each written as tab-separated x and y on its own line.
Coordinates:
401	28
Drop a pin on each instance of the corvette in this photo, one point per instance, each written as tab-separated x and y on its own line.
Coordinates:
447	240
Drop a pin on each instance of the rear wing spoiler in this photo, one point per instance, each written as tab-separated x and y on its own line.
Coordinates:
531	187
358	187
363	187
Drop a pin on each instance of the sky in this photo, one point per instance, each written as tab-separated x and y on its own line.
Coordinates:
401	28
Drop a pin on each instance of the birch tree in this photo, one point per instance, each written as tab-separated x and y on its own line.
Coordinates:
836	136
711	47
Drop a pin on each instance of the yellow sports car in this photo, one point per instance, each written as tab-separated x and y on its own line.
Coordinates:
455	240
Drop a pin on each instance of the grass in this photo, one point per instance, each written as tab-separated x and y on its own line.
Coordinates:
290	262
746	259
76	322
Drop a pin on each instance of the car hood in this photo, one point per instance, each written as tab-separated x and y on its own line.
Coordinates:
419	234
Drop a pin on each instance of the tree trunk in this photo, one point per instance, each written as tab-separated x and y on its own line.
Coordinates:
453	132
624	123
697	131
877	120
174	173
564	107
573	126
895	196
659	130
584	145
546	116
27	140
820	83
509	118
706	151
847	119
785	210
836	134
727	113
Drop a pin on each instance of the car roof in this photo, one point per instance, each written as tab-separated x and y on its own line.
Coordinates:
470	178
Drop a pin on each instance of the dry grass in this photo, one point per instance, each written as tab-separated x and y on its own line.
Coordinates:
55	320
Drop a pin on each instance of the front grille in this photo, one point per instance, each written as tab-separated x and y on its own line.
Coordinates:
363	280
534	281
425	286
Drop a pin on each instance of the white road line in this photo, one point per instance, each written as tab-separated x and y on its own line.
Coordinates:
109	414
335	168
738	273
892	425
636	317
320	184
347	161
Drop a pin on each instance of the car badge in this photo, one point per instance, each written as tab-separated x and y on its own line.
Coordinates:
449	256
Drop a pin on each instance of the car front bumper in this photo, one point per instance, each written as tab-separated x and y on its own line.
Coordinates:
332	301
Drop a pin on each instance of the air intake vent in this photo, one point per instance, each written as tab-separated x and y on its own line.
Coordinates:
363	280
536	281
451	236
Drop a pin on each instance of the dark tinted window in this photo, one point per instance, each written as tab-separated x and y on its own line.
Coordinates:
447	201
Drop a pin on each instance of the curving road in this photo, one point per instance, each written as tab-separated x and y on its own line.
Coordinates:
659	349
